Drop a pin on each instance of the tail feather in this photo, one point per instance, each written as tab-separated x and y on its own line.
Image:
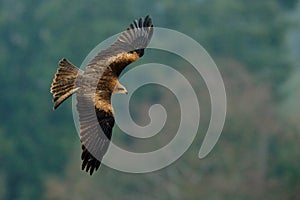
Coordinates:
63	84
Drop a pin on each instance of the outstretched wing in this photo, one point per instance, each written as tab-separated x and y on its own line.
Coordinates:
97	84
95	132
135	38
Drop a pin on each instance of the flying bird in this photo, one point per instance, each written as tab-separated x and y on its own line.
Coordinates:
94	87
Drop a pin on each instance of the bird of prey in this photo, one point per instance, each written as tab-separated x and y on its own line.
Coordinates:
95	85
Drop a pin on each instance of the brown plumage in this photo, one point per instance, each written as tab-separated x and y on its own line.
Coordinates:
94	87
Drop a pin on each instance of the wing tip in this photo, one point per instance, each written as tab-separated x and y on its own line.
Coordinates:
89	163
141	22
148	21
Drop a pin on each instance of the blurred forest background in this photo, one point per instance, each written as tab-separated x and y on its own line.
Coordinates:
256	45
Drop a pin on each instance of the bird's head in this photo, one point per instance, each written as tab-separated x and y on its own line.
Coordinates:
120	89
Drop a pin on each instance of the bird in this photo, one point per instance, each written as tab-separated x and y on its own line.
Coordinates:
94	87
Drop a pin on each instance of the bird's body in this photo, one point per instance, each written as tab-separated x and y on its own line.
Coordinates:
94	88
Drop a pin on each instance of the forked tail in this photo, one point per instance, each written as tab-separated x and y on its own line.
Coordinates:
63	84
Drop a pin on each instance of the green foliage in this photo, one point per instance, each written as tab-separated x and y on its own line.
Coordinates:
36	143
250	31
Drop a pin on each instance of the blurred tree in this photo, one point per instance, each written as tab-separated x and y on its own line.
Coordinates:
288	4
252	32
35	142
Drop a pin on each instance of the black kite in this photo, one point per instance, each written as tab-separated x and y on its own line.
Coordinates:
94	87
